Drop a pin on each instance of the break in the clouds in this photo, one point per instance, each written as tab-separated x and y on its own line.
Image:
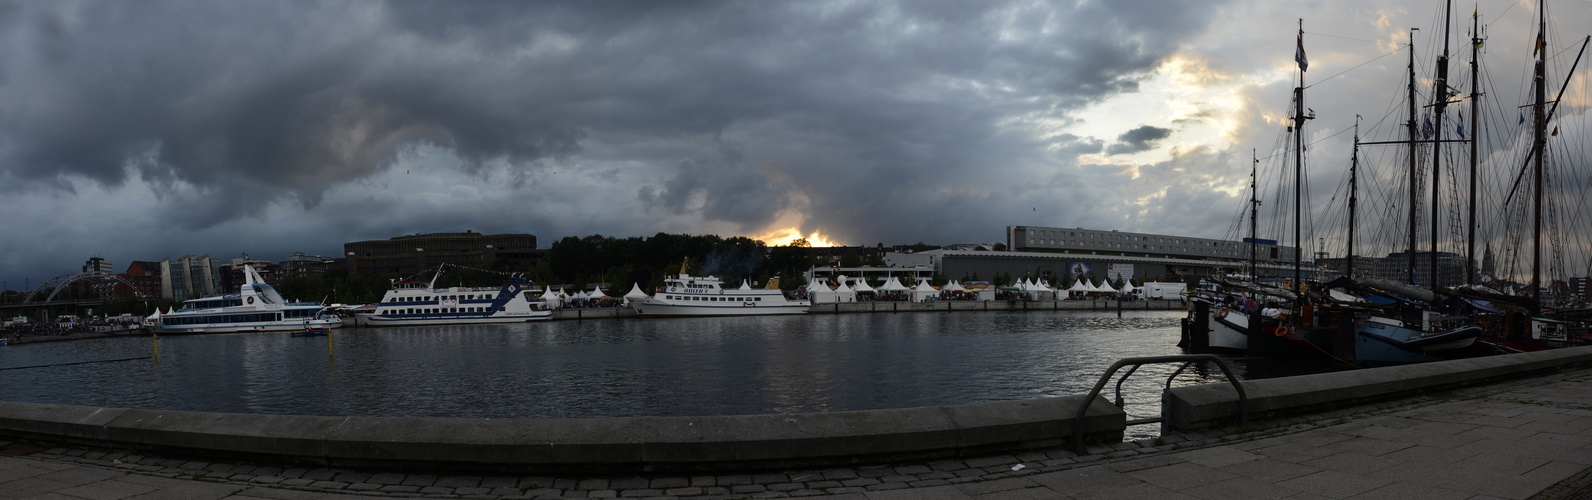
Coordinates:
1137	140
142	130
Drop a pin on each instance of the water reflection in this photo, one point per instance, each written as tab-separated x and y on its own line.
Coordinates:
567	369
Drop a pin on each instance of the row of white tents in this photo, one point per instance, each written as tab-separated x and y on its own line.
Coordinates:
820	292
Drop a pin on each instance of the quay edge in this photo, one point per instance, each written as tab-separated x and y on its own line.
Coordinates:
610	445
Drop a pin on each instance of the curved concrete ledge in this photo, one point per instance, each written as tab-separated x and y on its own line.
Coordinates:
639	444
1215	405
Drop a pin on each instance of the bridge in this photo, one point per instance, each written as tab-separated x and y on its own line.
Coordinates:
38	300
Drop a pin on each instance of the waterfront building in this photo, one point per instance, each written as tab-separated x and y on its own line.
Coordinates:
190	277
232	274
102	287
406	255
144	275
301	265
1048	253
1113	242
1396	267
98	265
1364	267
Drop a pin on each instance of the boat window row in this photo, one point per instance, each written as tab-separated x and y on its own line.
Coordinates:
212	304
430	298
299	313
714	298
438	310
221	318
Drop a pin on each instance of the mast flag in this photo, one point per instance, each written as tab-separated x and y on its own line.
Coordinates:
1299	55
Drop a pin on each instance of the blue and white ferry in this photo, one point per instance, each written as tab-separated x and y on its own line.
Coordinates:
257	307
414	303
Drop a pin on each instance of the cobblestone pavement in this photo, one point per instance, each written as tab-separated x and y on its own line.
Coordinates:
1522	439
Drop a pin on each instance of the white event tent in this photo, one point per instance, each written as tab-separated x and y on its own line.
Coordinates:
845	293
923	291
818	292
635	293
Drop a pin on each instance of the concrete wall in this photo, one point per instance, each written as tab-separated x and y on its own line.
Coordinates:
1214	405
880	307
517	446
595	313
992	305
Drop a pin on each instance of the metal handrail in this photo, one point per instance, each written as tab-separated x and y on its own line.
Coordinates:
1186	359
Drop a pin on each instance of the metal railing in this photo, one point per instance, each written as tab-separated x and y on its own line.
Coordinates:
1186	359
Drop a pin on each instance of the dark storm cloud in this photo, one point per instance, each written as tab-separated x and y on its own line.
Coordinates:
1139	139
256	98
893	121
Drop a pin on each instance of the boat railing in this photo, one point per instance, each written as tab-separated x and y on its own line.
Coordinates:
1134	364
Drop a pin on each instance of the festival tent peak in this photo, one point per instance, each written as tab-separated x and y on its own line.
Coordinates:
893	286
745	285
635	293
1103	287
923	291
823	294
1035	290
1127	288
1078	285
862	286
597	293
953	286
818	286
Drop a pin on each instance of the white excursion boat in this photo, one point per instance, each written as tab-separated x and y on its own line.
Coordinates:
687	295
411	303
257	307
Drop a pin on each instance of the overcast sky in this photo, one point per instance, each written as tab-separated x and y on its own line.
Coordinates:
145	130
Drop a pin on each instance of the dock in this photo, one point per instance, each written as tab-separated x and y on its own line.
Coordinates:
1523	429
906	307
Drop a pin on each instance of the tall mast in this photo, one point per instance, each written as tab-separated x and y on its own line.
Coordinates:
1254	209
1413	132
1470	238
1354	167
1299	162
1440	97
1537	145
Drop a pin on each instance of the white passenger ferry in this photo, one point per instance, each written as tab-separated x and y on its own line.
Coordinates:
257	307
416	303
687	295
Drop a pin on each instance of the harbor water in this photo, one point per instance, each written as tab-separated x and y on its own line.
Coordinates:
614	368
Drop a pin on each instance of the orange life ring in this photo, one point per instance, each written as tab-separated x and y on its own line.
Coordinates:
1281	331
1222	314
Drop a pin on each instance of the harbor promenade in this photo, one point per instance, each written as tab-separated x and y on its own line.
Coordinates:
1523	438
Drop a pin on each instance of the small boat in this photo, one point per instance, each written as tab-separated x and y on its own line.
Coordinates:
312	332
1384	340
